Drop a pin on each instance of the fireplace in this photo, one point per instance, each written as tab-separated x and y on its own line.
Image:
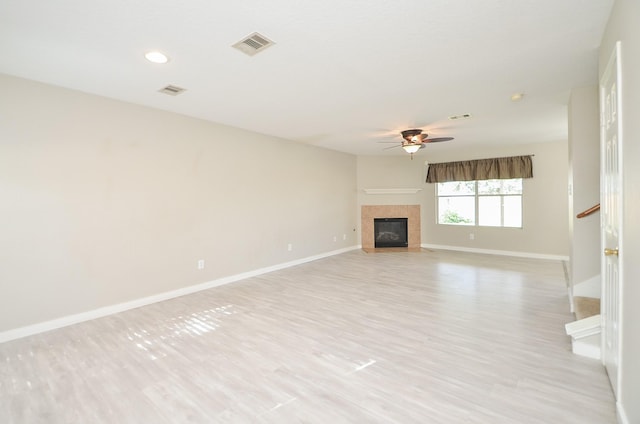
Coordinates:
390	232
369	213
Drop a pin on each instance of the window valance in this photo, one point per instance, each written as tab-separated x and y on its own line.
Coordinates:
481	169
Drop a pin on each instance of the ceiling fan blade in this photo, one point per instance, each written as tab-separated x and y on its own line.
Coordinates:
436	139
392	147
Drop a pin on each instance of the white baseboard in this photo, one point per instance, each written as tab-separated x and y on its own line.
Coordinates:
622	416
497	252
589	288
121	307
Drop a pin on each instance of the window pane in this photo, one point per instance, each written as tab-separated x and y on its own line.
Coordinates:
490	187
513	186
513	211
489	211
499	203
456	210
457	188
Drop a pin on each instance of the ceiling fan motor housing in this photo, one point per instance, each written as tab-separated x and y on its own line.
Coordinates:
410	134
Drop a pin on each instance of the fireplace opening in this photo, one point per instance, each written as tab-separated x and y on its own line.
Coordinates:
390	232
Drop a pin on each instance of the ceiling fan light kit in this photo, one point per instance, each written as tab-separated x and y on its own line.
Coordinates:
411	148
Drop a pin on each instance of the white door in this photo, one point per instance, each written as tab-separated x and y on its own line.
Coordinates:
611	208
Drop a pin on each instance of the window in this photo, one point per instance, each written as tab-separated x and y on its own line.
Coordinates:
488	203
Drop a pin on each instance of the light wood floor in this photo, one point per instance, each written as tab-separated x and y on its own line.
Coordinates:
413	337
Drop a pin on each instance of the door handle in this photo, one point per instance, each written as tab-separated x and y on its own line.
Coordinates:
610	252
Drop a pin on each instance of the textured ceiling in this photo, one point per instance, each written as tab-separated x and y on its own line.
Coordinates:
343	74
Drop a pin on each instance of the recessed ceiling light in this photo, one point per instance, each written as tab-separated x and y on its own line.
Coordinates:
517	97
156	57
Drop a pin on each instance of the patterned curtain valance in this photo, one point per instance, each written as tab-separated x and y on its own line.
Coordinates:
482	169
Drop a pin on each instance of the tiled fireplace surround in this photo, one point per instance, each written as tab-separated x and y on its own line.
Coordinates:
369	212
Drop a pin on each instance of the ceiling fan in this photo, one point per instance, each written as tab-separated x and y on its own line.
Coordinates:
414	140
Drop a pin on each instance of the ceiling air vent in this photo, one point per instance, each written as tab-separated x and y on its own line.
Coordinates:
465	116
253	44
172	90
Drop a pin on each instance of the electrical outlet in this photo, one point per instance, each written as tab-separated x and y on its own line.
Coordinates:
344	237
335	238
289	247
201	264
472	236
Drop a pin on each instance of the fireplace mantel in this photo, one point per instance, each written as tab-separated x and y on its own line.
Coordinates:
391	190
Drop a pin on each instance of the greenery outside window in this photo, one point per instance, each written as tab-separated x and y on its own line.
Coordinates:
490	203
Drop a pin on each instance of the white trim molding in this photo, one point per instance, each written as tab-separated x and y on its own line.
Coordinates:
65	321
497	252
584	328
391	190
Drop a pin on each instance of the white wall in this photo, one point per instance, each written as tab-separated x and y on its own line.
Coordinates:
624	25
104	202
545	224
584	183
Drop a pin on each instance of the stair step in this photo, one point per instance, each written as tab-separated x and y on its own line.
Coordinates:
586	307
584	327
588	347
585	336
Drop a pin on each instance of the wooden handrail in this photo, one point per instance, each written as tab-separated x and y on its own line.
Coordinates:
589	211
